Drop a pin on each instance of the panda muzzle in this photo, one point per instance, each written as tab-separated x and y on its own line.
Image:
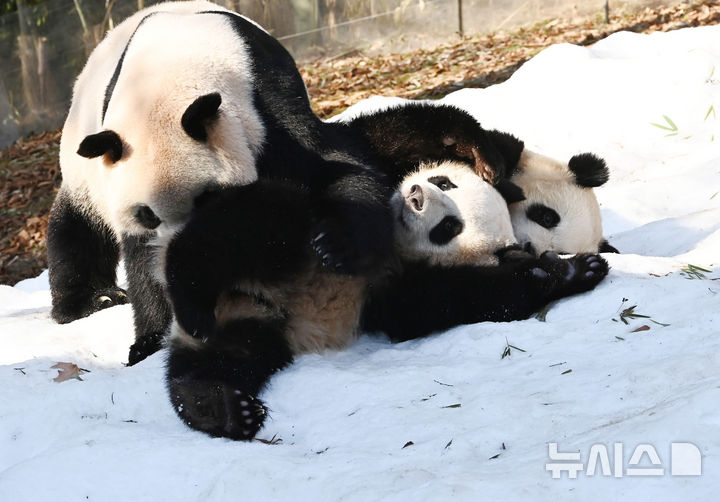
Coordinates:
416	198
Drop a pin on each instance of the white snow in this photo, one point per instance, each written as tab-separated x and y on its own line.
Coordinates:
344	417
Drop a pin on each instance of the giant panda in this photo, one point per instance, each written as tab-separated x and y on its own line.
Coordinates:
185	97
249	296
558	210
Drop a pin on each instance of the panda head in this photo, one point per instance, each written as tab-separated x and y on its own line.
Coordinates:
174	123
560	212
448	215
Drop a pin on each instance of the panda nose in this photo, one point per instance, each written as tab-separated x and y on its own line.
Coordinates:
146	217
416	197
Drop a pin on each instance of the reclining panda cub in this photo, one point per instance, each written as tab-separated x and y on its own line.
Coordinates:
259	294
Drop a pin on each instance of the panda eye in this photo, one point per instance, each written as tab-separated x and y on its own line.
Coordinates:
446	230
544	216
442	182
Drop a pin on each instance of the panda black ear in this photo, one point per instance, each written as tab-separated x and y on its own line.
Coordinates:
509	147
200	114
589	170
606	247
510	191
101	143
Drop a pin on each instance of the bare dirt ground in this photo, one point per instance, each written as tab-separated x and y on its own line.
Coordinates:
30	175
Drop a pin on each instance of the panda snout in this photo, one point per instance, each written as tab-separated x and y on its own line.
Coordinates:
146	217
416	198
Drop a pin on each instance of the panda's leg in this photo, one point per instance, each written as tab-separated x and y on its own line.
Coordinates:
353	233
82	256
214	384
257	233
151	309
426	299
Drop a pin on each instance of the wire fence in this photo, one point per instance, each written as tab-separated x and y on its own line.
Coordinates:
43	47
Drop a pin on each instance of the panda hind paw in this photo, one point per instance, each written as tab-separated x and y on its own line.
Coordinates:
217	408
75	305
109	297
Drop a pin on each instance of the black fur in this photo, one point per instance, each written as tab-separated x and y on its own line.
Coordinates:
105	142
510	191
146	217
445	231
82	277
590	170
151	312
424	299
200	114
228	241
214	387
403	136
606	247
544	216
509	147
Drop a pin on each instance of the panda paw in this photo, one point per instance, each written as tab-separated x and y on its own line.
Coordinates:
217	408
109	297
145	346
345	249
572	275
72	307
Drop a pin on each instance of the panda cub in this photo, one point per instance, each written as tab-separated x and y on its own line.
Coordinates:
249	296
558	211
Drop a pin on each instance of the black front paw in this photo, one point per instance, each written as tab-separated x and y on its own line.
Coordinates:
217	408
351	246
78	305
572	275
145	346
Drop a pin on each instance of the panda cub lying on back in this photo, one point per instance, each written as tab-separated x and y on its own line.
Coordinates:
249	297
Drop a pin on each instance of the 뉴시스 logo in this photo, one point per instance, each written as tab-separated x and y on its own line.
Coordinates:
685	460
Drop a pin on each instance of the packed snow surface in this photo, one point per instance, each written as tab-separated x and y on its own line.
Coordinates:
480	426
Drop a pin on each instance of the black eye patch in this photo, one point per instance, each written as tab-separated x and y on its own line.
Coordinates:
446	230
442	182
543	216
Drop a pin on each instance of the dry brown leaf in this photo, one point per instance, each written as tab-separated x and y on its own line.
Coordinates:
67	371
644	327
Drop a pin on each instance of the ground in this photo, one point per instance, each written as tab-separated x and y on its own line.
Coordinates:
29	172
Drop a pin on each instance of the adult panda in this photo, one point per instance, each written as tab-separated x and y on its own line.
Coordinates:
249	296
183	97
559	211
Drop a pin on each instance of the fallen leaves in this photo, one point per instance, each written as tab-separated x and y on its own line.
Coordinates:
68	371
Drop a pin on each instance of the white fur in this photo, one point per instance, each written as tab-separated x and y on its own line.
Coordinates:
477	204
173	58
551	183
